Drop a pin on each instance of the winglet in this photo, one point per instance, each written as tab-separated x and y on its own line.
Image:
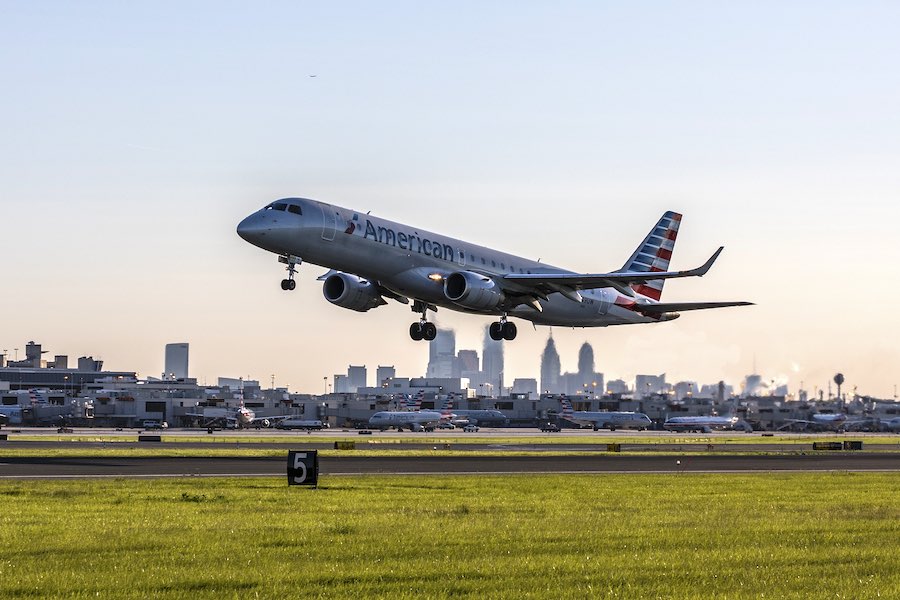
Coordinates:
701	271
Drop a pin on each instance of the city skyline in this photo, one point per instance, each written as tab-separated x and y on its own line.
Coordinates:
135	142
586	375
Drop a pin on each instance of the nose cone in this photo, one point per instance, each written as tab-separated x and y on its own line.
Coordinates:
253	229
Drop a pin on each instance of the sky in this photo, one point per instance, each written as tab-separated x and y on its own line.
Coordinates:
136	135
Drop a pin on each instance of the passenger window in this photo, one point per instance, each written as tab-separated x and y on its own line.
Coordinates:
493	263
483	261
294	209
503	266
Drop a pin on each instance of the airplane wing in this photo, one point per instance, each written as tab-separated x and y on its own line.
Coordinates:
664	307
620	280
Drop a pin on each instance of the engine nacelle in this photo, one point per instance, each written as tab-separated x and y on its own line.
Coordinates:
350	291
473	291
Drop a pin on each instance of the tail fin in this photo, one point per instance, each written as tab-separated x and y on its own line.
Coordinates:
654	254
567	412
415	402
447	408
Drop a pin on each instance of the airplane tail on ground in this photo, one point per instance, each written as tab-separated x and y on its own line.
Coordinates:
447	408
415	402
567	412
654	254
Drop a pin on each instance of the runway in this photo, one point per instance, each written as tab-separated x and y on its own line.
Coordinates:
53	468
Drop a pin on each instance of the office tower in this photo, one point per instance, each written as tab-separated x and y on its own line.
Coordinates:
383	375
492	365
356	378
176	361
442	355
550	368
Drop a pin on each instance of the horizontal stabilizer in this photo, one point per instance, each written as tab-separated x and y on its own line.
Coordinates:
666	307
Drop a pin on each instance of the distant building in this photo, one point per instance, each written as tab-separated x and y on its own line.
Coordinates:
525	386
442	361
176	361
341	384
550	369
356	378
492	365
617	386
646	385
383	375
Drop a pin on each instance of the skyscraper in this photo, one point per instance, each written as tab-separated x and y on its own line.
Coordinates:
356	377
176	361
586	361
442	361
550	368
492	364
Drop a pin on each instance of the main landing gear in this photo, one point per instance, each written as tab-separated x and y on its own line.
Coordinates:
291	262
503	330
422	329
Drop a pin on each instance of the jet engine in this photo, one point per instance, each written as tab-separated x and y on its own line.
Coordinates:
350	291
472	290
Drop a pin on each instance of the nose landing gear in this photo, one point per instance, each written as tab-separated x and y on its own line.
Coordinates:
291	261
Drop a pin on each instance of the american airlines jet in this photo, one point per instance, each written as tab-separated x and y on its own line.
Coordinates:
372	260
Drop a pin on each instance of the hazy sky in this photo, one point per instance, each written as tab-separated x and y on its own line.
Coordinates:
136	135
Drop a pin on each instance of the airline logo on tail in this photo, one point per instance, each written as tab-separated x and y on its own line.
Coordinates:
567	412
447	408
415	402
654	254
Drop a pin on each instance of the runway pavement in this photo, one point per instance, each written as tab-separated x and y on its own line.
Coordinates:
37	468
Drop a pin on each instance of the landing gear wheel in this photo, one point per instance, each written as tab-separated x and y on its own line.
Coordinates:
496	331
415	332
286	284
429	331
509	331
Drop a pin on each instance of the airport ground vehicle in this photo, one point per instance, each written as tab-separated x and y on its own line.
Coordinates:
153	424
470	428
550	427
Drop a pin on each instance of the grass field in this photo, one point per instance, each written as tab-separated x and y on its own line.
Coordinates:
612	536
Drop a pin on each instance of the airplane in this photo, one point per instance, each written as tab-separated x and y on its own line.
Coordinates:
415	420
837	422
604	419
482	417
240	417
891	424
706	424
372	259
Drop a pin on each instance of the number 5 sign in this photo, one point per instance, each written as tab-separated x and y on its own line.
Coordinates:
303	467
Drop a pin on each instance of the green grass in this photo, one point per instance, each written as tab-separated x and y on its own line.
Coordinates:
610	536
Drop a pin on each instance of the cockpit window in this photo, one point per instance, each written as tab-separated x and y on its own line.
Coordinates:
294	209
279	206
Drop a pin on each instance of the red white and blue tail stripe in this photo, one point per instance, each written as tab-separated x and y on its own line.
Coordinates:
654	254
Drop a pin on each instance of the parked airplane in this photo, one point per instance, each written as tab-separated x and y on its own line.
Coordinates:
891	424
837	422
706	424
414	420
308	424
371	259
482	417
605	419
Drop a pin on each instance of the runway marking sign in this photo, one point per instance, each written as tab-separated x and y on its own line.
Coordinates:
303	467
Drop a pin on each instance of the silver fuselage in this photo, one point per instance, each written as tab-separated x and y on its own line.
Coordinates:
413	262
